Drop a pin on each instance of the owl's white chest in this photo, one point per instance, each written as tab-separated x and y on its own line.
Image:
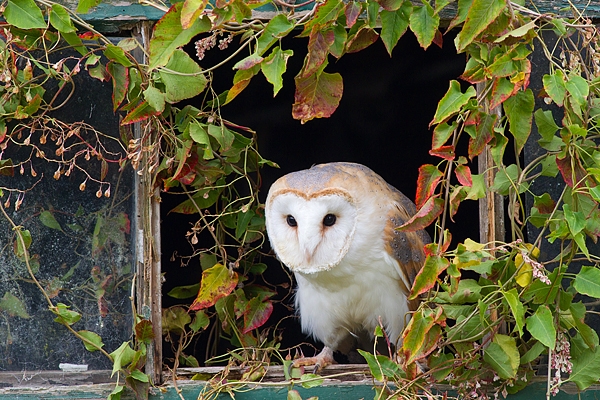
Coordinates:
352	297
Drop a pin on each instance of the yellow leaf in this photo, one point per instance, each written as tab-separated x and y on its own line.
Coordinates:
473	246
524	271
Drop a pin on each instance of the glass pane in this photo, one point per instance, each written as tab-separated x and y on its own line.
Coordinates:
65	186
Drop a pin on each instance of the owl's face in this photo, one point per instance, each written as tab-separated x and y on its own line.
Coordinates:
310	233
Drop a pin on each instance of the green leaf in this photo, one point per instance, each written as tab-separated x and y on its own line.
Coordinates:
544	120
452	102
186	80
201	321
533	353
586	369
480	15
576	220
503	356
92	341
587	281
394	24
18	248
217	282
155	98
200	136
175	319
223	136
541	326
13	306
554	85
310	380
47	218
60	19
578	89
278	27
185	292
116	393
519	109
24	14
122	357
64	315
506	179
83	6
424	23
169	35
516	307
117	54
380	365
317	96
139	376
274	66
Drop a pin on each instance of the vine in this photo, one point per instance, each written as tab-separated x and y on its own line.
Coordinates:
491	311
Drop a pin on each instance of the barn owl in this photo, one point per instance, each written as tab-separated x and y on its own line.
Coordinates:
333	226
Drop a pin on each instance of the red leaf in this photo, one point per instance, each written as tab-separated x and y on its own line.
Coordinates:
365	37
572	176
90	36
352	11
502	89
463	174
256	314
318	48
484	131
425	216
429	177
445	152
141	112
102	307
438	39
427	277
186	173
317	96
544	203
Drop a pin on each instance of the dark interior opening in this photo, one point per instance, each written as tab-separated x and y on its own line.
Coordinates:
382	122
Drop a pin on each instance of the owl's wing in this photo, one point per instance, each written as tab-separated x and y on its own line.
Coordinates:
405	247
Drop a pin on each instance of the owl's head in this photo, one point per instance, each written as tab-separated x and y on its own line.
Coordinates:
310	220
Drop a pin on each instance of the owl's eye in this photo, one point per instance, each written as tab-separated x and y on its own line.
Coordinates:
291	221
329	220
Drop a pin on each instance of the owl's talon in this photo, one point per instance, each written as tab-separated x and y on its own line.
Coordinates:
320	361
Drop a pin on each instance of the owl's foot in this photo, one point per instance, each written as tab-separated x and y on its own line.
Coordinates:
320	361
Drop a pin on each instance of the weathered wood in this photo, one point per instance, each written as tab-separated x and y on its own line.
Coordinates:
149	285
116	15
21	379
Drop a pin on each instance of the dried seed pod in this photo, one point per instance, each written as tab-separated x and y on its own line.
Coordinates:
82	185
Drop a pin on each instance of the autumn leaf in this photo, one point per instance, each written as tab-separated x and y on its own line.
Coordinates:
217	282
425	216
428	275
429	177
317	96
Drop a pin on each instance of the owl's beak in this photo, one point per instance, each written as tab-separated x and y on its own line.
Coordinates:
309	240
